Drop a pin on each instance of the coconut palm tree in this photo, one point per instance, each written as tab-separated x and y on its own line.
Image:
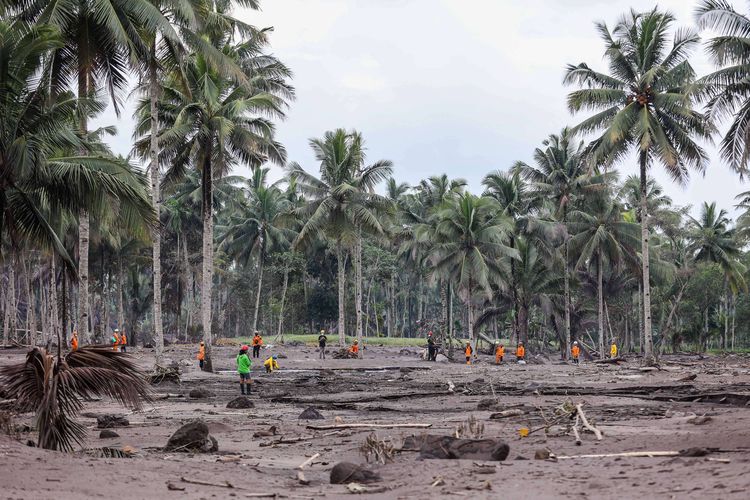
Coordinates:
561	176
600	236
646	105
712	240
258	227
470	247
342	204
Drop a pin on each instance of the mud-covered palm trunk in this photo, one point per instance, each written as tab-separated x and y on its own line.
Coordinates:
208	258
279	333
648	348
566	299
121	295
30	306
83	229
156	201
392	307
341	279
600	301
260	287
358	294
54	311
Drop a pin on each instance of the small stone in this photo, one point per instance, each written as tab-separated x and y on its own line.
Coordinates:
108	434
311	413
201	393
240	403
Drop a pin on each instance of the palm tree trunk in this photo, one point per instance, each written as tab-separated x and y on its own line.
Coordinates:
281	307
260	285
392	306
208	258
470	319
648	353
640	317
566	299
156	202
83	229
600	298
358	284
121	295
341	279
189	288
54	312
734	317
30	307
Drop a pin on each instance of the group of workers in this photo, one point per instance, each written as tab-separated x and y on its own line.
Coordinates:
499	353
244	365
575	351
119	341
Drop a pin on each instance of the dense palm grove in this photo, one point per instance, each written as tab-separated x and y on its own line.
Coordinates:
555	248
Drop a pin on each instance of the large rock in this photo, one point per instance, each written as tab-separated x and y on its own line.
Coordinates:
447	447
311	413
442	358
192	437
109	421
347	472
108	434
240	403
201	393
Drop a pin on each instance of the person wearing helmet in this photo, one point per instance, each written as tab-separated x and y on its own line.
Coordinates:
322	341
74	341
575	352
123	341
243	368
499	353
116	340
201	354
271	364
520	352
431	348
354	349
257	342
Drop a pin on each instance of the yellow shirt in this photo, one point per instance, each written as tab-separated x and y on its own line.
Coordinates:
271	363
613	351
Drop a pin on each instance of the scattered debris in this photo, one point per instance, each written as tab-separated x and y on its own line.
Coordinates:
161	374
438	481
110	452
302	479
270	432
240	403
688	378
347	472
343	353
506	414
379	450
448	447
366	426
201	393
108	421
309	461
225	484
192	437
173	487
699	420
470	428
311	413
358	488
542	454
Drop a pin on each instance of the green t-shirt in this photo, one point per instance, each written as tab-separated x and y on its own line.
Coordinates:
243	363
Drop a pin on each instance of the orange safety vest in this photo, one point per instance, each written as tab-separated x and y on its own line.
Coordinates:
520	352
115	341
74	343
576	351
201	353
354	349
468	351
123	339
499	352
257	340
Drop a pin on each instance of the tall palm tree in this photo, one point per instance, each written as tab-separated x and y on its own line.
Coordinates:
646	105
727	90
214	124
560	175
600	236
712	240
471	247
101	42
342	204
257	227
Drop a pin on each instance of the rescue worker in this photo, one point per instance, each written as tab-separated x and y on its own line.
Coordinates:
271	364
499	353
520	352
431	348
124	341
467	351
575	352
354	349
243	368
322	340
201	354
613	350
257	342
116	340
74	341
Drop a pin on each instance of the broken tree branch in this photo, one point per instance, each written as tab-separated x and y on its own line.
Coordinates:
308	461
225	484
367	426
586	423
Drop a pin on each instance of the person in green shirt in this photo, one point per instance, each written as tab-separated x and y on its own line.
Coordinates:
243	368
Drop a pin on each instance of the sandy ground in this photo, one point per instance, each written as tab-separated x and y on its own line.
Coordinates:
412	391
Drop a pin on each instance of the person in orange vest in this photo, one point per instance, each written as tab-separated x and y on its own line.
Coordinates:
257	342
74	341
116	340
124	341
201	354
354	349
467	351
520	352
499	353
575	351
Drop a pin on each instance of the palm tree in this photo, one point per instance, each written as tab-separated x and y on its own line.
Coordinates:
342	204
561	176
470	247
213	125
258	227
601	236
645	105
727	90
711	240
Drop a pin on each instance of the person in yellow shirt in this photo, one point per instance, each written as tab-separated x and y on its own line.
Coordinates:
499	353
74	341
575	352
613	350
271	364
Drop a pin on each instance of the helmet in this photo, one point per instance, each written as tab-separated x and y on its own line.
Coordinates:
356	341
520	342
244	348
117	330
201	342
274	356
575	342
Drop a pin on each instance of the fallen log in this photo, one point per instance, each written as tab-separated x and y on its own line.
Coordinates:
610	361
368	426
225	484
586	423
308	461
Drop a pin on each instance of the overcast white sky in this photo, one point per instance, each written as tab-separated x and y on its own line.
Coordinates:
456	86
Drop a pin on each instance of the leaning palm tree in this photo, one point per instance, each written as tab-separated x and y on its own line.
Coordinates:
727	90
600	236
470	247
342	204
646	105
559	175
53	387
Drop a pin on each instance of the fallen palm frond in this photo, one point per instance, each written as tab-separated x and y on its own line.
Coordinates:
379	450
472	428
53	387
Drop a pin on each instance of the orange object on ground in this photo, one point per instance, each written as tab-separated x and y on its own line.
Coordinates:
499	354
520	352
